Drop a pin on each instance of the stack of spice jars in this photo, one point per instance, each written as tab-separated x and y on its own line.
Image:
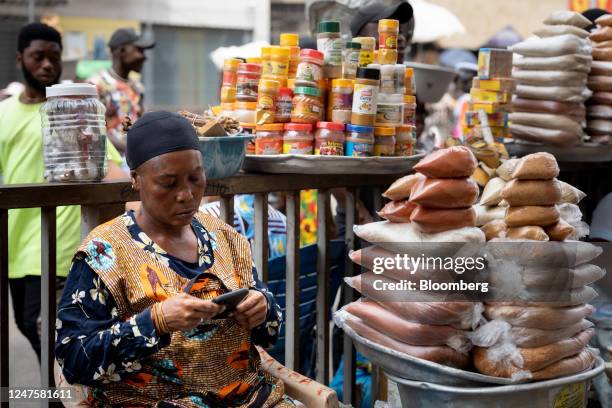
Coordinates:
406	135
228	85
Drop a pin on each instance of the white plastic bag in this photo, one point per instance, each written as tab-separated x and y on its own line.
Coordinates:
491	195
550	78
570	62
554	93
567	17
552	46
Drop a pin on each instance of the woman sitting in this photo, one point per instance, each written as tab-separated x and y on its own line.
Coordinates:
136	321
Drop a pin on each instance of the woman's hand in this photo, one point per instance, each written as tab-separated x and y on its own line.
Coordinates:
252	311
184	312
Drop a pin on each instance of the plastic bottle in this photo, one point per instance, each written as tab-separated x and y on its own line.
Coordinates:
330	43
298	139
284	104
265	61
366	54
329	139
388	31
291	41
410	110
405	139
340	100
307	106
73	134
310	68
266	101
390	110
387	79
359	141
228	83
384	141
409	81
269	139
365	97
279	65
350	61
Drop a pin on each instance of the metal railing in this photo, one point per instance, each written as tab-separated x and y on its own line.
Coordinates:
102	201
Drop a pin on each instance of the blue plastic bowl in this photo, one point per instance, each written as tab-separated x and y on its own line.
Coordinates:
223	155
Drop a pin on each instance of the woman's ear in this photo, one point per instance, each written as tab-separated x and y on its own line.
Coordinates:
135	180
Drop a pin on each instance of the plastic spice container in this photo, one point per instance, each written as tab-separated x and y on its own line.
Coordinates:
409	110
340	100
254	60
298	139
387	79
330	43
74	134
405	139
384	141
359	141
366	54
266	101
292	42
310	68
228	94
329	139
291	83
265	61
365	97
249	129
307	106
283	105
248	82
390	110
409	81
399	75
230	69
388	31
350	61
387	56
245	111
269	139
279	63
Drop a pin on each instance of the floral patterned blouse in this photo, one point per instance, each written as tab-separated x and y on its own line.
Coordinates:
94	346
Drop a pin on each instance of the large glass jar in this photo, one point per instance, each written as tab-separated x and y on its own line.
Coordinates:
74	134
329	139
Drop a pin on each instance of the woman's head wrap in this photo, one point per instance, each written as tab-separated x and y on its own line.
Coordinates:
157	133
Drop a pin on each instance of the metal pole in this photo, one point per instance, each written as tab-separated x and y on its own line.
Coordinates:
31	11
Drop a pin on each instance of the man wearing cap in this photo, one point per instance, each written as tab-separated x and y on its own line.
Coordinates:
122	95
365	23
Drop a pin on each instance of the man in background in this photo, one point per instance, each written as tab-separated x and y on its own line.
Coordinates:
365	23
39	53
122	95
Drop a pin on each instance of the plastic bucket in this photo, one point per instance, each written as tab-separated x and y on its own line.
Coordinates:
223	155
566	392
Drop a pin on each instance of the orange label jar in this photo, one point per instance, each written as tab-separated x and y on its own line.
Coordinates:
388	31
384	141
298	139
405	139
307	106
269	139
266	101
329	139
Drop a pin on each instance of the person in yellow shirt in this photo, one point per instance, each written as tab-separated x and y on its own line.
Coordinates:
21	161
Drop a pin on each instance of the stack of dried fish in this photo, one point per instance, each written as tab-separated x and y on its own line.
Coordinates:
208	124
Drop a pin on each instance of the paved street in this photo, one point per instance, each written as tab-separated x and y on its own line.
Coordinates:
24	369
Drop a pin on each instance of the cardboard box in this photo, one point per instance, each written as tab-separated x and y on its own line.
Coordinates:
494	63
495	84
490	107
481	95
495	119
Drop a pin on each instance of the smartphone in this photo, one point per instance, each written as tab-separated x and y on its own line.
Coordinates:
230	300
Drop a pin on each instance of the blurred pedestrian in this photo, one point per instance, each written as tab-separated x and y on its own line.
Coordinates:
39	53
123	96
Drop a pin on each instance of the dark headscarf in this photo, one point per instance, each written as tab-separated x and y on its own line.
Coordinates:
157	133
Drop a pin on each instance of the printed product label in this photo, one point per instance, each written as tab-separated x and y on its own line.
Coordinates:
283	108
484	62
332	49
297	147
386	40
265	102
404	149
266	68
308	72
364	99
268	145
354	58
365	58
330	148
279	68
389	114
359	149
247	87
229	78
409	115
304	108
384	150
341	101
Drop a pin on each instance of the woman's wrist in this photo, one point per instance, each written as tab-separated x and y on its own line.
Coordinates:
159	320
